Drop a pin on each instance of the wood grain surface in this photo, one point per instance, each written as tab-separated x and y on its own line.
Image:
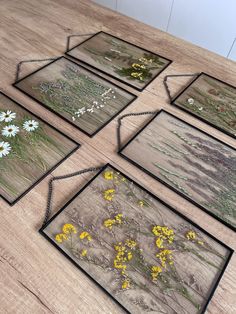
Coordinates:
34	277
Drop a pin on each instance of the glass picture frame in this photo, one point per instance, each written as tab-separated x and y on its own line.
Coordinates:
194	164
30	148
124	61
77	95
145	254
210	100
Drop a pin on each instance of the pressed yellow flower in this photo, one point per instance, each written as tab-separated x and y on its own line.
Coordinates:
126	284
129	256
61	237
108	175
69	228
163	232
143	59
138	66
156	270
141	203
109	223
190	235
164	256
159	243
136	74
84	252
109	194
118	218
200	242
130	243
85	235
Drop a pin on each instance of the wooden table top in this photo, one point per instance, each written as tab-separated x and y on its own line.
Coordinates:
34	276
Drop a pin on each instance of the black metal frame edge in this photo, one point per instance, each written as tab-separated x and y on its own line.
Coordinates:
165	183
11	203
61	116
195	115
113	76
41	231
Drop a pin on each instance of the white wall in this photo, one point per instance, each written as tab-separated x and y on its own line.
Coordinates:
207	23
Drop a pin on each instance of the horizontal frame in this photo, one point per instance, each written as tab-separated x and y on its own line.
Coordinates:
113	76
50	170
165	183
58	114
195	115
41	231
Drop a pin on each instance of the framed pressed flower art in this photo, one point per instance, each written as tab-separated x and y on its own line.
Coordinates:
29	149
142	252
212	101
189	161
126	62
76	94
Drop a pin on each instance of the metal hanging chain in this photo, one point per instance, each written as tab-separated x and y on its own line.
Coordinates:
75	35
18	68
125	116
175	75
62	177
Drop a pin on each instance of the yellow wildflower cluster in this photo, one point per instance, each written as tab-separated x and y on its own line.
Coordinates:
61	237
83	252
109	194
85	235
156	270
165	256
126	284
115	221
145	60
115	176
138	66
108	175
137	75
123	256
165	236
130	243
67	230
164	233
192	236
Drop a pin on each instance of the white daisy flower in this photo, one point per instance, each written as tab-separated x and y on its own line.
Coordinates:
10	130
191	101
5	149
7	116
30	125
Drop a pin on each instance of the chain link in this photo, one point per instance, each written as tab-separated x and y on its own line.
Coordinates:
175	75
125	116
62	177
74	35
18	68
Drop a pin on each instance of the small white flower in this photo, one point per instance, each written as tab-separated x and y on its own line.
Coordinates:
10	130
7	116
80	112
90	109
30	125
73	118
200	108
5	149
191	101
